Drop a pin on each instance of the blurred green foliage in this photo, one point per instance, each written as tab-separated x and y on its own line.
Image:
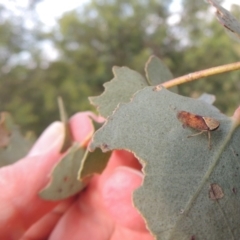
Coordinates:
101	34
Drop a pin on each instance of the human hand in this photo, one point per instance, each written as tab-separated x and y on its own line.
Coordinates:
103	210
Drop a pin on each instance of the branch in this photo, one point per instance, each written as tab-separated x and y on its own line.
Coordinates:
200	74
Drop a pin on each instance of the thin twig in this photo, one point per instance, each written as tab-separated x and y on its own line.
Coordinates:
200	74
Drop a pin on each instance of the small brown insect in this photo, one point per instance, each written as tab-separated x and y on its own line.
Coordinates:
204	124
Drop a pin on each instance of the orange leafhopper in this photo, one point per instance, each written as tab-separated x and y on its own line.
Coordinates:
204	124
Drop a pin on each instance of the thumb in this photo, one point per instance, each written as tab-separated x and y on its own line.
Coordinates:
20	205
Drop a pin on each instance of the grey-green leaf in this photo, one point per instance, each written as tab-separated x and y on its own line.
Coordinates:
120	89
229	22
157	72
16	145
189	191
127	82
207	98
64	181
93	162
67	132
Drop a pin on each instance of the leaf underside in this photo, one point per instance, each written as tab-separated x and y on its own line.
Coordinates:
177	197
64	181
93	162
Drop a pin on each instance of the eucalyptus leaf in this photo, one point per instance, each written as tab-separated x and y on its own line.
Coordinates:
157	72
230	23
208	98
5	134
64	181
189	191
67	142
93	162
14	145
127	82
120	89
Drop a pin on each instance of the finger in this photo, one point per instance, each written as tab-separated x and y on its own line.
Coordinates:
20	205
95	210
117	196
50	137
43	228
123	158
82	126
120	158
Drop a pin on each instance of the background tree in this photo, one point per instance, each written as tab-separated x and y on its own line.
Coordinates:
92	39
209	46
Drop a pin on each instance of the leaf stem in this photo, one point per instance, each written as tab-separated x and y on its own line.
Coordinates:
199	74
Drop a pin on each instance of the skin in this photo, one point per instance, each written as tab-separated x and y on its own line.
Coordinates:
102	211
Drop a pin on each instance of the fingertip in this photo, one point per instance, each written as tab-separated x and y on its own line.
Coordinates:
124	158
82	126
117	193
52	137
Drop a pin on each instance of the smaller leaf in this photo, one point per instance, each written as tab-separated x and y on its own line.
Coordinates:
64	177
67	134
156	71
64	181
230	23
207	98
5	134
93	162
13	145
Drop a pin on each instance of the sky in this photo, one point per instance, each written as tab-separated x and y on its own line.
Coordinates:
49	11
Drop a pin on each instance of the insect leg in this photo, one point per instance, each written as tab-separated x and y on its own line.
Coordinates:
209	140
193	135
